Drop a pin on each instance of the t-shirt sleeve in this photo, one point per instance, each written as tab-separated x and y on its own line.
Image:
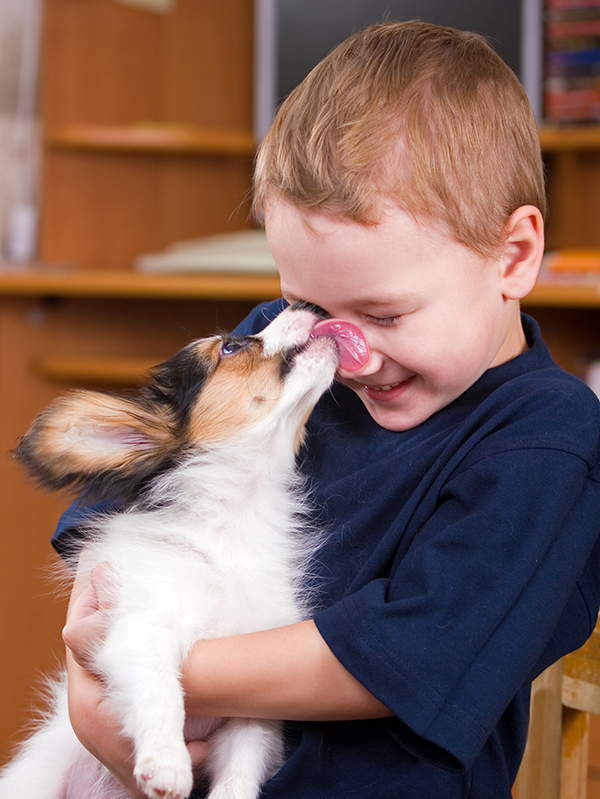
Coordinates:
68	533
260	317
449	638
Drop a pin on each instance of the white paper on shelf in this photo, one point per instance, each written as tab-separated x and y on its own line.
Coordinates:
243	251
158	6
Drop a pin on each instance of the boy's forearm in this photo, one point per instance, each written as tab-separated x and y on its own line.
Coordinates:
285	673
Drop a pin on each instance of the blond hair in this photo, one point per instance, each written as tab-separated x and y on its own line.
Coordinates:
427	117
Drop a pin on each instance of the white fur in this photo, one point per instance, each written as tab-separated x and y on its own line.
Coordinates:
224	553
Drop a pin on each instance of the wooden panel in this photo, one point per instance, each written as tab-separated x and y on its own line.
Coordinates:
574	199
100	211
107	63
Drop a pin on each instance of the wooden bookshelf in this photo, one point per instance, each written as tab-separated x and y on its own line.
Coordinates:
98	370
564	295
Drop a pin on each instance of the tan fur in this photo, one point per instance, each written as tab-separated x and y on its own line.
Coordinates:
85	413
213	419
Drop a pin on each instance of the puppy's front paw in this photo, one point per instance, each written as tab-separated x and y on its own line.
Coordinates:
166	774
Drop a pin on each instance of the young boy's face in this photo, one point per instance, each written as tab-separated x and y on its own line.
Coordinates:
432	311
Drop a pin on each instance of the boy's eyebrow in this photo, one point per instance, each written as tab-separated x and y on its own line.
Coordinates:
373	301
390	299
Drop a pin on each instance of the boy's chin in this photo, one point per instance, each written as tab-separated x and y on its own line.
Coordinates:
398	417
396	420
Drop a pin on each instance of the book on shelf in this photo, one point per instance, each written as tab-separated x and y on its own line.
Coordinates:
571	265
572	62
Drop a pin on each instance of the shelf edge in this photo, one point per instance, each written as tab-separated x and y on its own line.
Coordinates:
152	138
44	281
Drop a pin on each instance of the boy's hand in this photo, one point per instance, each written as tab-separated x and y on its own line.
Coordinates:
89	613
98	728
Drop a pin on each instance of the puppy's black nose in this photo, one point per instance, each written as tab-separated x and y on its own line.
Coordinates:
303	305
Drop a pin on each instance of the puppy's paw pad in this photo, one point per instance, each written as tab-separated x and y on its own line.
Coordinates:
168	776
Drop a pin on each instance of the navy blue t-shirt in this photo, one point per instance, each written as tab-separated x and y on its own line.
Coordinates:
461	559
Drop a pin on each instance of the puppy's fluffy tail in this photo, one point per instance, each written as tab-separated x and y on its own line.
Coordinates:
52	764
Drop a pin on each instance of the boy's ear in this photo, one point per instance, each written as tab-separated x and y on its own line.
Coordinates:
86	433
523	251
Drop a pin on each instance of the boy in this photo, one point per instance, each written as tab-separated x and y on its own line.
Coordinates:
456	472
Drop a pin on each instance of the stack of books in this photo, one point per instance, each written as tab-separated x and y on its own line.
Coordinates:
572	79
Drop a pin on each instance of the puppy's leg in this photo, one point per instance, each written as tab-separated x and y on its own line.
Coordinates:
245	753
141	663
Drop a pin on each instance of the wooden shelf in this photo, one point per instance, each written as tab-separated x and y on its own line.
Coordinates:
556	138
122	283
152	137
565	295
96	369
50	281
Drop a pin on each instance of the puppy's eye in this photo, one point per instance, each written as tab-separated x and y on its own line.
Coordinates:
231	347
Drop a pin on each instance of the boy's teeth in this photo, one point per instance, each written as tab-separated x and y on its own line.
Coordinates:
388	388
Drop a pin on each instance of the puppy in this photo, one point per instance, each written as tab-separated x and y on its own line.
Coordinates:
211	540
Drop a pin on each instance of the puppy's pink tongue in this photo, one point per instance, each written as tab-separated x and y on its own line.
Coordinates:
354	350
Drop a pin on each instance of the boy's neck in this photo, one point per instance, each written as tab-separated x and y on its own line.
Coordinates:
515	342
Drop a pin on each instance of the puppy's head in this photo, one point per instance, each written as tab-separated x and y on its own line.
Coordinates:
213	391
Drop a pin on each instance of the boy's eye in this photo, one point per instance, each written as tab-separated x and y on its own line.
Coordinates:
383	321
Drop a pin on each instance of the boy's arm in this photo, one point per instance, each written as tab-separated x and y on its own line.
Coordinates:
287	673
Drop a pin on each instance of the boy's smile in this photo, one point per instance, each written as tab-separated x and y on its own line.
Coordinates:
436	314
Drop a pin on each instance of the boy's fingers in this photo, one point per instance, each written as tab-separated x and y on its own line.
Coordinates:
103	581
87	620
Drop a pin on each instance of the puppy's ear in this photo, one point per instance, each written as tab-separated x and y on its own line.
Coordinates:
86	434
